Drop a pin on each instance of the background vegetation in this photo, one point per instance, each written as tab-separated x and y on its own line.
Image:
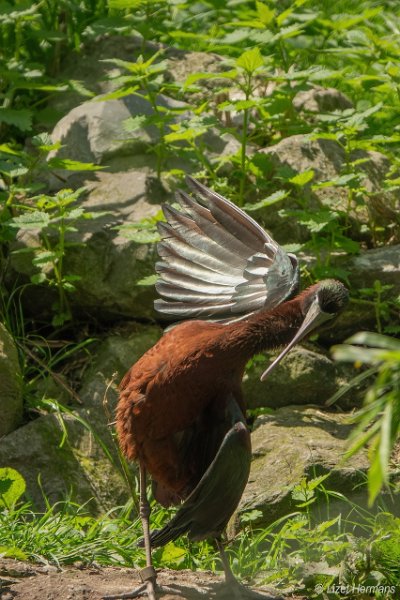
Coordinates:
270	50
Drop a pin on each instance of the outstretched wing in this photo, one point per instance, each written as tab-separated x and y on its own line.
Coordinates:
217	262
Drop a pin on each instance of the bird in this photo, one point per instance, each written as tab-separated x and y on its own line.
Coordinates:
181	413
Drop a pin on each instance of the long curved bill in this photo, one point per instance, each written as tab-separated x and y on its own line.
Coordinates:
314	317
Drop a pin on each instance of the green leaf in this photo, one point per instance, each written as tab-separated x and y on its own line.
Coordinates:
68	287
22	119
38	278
302	178
72	165
147	281
12	552
172	554
250	60
240	105
74	214
375	474
59	319
385	439
126	4
46	257
31	220
314	483
375	340
251	515
134	123
185	134
79	87
272	199
265	14
12	486
141	236
194	77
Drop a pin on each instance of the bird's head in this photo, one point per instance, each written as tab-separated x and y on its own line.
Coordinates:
329	295
319	303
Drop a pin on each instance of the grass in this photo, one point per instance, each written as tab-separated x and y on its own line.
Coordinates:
296	552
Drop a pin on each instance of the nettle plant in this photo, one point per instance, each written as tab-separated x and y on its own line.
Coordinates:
51	218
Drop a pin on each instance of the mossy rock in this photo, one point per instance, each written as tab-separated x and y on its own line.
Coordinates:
294	443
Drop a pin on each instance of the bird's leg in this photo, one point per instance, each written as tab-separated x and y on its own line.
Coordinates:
148	575
229	576
237	589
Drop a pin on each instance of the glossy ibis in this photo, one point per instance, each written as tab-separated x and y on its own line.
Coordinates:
181	413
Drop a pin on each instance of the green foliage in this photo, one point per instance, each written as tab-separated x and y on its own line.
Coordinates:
268	53
298	551
51	219
12	486
378	421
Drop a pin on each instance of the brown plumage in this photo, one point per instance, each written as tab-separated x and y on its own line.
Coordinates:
181	412
188	370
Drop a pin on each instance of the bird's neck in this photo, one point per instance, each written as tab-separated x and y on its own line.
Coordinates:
266	329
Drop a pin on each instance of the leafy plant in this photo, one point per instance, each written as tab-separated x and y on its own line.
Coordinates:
386	308
296	551
53	219
378	422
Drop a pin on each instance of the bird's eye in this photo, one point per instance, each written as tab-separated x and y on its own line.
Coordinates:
332	299
329	306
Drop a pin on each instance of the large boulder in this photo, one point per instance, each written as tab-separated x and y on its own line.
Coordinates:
321	100
10	384
303	377
328	160
92	65
76	454
293	444
108	263
65	461
380	265
97	131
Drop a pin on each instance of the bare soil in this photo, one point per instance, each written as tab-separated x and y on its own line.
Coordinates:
26	581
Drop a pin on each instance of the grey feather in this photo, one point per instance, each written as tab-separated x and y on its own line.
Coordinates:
217	262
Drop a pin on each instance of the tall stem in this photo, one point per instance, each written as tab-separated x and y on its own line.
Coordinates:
243	156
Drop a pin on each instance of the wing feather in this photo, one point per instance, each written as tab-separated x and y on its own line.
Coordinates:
216	261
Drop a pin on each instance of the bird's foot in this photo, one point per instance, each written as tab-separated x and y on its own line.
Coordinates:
238	591
148	588
142	590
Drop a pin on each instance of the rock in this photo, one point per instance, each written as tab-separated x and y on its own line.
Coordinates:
95	131
10	384
303	377
296	443
181	64
86	465
319	99
108	263
380	264
74	467
99	75
327	159
114	356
